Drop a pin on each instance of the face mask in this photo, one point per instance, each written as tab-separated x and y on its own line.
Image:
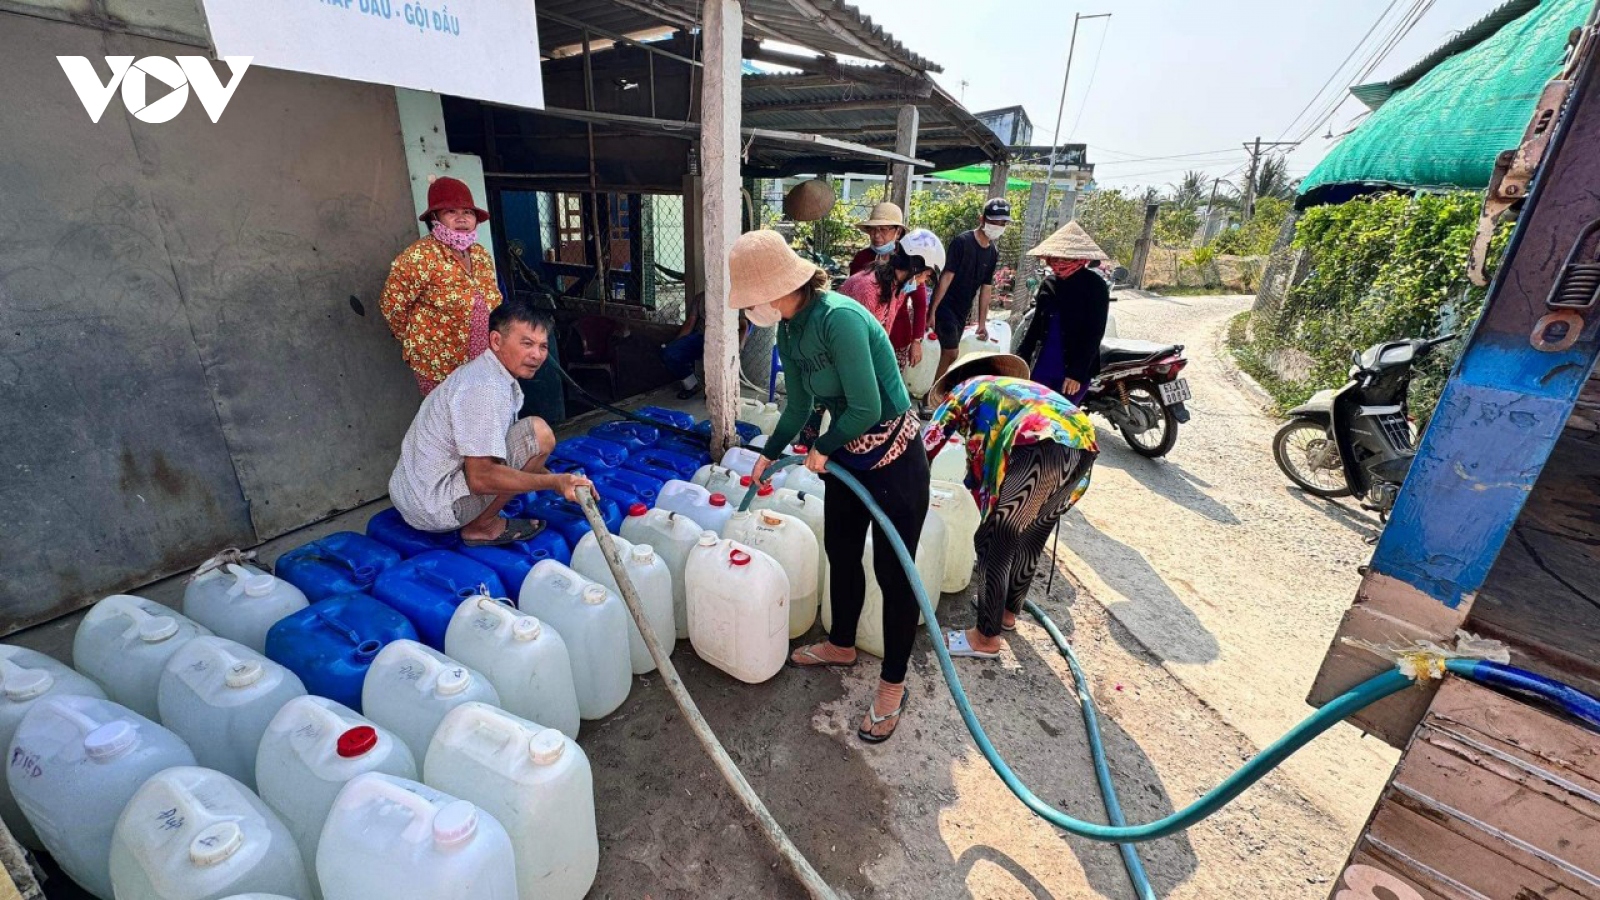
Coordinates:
883	249
457	240
993	232
763	315
910	287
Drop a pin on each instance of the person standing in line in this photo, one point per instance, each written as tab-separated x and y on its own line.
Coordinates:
1062	343
1031	452
891	288
969	273
681	353
837	358
442	288
885	225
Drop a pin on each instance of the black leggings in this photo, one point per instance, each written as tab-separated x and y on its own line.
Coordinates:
901	489
1037	491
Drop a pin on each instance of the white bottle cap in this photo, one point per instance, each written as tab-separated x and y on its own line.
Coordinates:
594	595
708	538
26	684
643	553
156	629
525	628
742	515
455	822
546	747
216	843
259	585
452	682
110	740
243	674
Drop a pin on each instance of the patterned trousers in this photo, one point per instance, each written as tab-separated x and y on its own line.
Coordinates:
1037	492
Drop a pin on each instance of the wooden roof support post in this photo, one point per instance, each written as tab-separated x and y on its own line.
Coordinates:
720	155
999	175
905	144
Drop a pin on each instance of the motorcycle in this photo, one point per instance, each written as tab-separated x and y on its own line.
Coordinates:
1357	440
1139	390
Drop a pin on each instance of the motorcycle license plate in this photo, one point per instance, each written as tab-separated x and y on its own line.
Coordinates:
1175	392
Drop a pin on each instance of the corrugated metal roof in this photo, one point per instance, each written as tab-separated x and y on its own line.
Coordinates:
1375	94
826	26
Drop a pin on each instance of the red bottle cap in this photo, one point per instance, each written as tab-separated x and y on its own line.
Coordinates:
718	500
744	481
739	558
638	509
357	741
766	490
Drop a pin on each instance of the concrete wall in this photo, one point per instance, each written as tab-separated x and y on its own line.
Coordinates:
191	352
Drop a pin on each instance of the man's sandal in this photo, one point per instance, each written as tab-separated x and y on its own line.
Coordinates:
515	530
810	659
867	736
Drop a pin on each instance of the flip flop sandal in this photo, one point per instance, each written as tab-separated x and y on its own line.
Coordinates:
958	645
1003	625
515	530
868	737
817	662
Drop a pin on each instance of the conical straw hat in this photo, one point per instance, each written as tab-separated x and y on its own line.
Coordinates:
1069	242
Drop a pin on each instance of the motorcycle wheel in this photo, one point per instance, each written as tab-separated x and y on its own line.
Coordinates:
1292	447
1157	441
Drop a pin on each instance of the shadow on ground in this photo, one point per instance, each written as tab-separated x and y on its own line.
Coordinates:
1163	477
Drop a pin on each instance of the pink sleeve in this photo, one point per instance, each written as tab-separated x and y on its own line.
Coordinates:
919	313
861	287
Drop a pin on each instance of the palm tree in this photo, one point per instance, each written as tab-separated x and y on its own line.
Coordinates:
1272	179
1192	191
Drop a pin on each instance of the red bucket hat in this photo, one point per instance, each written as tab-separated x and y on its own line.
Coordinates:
451	193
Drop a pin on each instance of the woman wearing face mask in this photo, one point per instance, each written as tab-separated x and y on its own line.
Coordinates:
1062	343
895	292
883	227
442	288
836	357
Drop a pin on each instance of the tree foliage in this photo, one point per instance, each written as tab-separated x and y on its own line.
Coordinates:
1114	220
1255	237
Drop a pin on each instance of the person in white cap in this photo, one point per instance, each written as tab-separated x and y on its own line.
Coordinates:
894	290
883	226
837	357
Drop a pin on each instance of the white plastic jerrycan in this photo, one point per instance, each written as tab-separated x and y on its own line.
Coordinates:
193	834
930	567
791	544
123	644
594	624
951	463
26	678
955	507
919	378
673	537
390	838
808	508
709	511
805	481
999	339
219	695
258	897
75	762
743	460
760	414
650	577
718	480
312	748
526	661
411	686
738	608
239	601
536	782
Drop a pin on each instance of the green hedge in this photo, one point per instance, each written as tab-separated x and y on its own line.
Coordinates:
1382	268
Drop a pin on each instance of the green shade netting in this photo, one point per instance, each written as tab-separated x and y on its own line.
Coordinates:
1445	130
980	175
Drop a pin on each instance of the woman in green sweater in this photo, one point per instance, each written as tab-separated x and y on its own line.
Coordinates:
836	356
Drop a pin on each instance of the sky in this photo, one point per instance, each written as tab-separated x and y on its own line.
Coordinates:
1169	78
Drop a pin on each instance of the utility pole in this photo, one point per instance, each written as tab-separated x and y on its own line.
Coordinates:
1211	212
1030	229
1255	163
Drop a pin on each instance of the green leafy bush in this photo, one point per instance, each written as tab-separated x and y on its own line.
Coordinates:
1255	237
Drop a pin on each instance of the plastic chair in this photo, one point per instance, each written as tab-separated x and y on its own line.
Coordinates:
591	338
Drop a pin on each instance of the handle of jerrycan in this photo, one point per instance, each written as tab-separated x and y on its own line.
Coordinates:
481	718
374	785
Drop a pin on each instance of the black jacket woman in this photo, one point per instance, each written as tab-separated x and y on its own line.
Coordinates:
1062	343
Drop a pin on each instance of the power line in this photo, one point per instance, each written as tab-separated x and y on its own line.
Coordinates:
1351	55
1397	34
1115	162
1098	51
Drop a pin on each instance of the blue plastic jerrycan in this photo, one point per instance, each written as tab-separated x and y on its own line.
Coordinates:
331	644
632	435
390	529
513	562
693	449
567	518
592	452
341	563
664	465
561	465
746	431
671	417
626	487
427	589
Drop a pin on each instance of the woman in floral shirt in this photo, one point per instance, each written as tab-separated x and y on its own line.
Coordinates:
442	288
1031	452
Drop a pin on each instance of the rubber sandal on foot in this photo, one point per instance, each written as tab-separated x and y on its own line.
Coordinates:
515	530
813	661
958	645
870	738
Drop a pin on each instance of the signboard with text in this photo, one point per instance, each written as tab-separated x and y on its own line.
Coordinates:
483	49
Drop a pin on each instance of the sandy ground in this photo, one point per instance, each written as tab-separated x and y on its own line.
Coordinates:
1200	593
